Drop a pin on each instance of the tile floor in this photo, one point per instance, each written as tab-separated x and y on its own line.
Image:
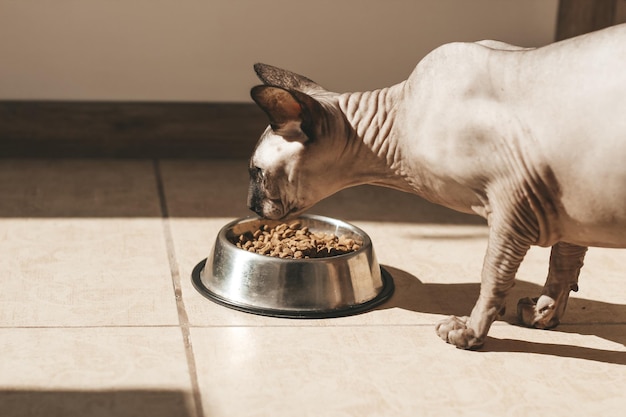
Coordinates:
98	316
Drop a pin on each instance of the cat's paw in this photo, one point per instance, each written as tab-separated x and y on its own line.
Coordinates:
540	313
455	330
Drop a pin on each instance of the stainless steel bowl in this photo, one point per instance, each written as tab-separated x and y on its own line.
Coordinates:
294	288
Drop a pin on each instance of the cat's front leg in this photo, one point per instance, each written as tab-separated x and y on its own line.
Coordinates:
508	243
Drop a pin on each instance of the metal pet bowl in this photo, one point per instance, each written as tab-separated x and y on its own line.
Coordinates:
334	286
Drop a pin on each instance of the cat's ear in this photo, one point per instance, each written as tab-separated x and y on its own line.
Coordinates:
278	77
292	114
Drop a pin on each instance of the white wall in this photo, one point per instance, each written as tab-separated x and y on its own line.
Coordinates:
203	50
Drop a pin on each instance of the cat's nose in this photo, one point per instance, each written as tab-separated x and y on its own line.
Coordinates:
257	209
255	197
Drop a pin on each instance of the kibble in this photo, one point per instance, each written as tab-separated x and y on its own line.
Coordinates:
294	241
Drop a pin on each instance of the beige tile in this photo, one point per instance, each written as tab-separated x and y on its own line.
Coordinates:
82	244
78	272
94	371
405	371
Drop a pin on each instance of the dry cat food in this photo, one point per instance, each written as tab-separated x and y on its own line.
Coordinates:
294	241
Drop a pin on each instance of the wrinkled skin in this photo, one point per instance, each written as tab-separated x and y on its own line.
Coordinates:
533	140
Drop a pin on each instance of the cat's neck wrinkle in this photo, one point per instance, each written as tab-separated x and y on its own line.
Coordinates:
372	115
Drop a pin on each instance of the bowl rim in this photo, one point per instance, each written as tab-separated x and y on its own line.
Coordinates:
367	241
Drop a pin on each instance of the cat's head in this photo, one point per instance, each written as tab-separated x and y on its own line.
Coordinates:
297	160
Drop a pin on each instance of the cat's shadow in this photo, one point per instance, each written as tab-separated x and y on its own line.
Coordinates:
458	299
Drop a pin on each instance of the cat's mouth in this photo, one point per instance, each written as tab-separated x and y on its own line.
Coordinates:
293	212
274	209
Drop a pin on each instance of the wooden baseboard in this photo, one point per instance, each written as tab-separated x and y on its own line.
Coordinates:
129	129
576	17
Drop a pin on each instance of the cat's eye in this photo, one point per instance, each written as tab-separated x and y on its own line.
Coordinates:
256	173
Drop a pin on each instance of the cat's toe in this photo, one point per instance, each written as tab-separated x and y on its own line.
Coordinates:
454	330
539	313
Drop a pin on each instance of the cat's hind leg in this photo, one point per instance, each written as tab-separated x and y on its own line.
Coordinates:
546	311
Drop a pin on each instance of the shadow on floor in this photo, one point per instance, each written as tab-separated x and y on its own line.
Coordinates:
458	299
129	403
103	188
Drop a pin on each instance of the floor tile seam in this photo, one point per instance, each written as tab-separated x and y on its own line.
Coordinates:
606	323
300	326
169	246
425	325
177	287
96	326
580	323
203	326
